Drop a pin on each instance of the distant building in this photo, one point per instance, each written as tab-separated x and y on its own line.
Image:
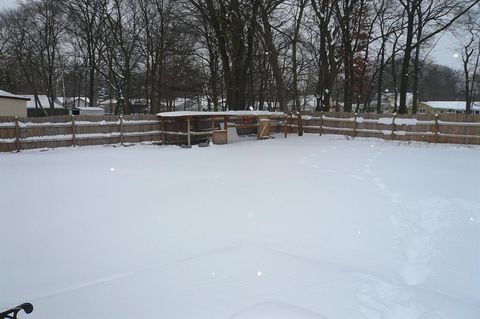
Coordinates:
73	102
446	107
88	111
40	106
13	105
42	101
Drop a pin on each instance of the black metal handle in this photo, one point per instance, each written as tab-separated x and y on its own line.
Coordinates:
13	313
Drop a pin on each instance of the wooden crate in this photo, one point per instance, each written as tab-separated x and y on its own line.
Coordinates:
219	137
263	131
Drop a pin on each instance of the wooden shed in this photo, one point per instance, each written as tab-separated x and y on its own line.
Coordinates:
13	105
185	127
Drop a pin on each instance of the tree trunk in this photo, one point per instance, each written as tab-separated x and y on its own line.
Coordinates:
404	76
273	59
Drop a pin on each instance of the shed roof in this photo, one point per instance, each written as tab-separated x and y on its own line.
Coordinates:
43	99
88	108
8	95
226	113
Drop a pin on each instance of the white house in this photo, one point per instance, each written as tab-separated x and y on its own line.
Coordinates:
446	107
13	105
88	111
42	101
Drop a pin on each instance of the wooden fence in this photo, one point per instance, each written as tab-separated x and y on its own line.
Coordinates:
442	128
63	131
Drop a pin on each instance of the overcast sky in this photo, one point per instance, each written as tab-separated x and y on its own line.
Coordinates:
444	53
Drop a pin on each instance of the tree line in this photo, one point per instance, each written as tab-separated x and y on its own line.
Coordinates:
239	54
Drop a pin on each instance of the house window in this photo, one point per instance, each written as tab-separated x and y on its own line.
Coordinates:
422	111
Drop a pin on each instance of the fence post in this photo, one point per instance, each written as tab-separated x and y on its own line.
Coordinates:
73	131
285	125
17	134
291	122
121	129
162	127
392	136
189	139
226	129
437	128
300	123
321	123
213	129
355	125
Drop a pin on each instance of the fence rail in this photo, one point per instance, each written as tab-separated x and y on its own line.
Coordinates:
440	128
63	131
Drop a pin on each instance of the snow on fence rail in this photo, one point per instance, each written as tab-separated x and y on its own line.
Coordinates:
442	128
63	131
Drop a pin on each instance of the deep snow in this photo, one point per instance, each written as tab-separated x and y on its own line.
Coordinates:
310	227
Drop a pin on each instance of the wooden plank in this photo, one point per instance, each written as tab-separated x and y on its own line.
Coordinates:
163	130
121	129
189	138
392	134
321	123
73	130
226	129
354	125
17	134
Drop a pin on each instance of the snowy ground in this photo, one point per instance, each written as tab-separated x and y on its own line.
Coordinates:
310	227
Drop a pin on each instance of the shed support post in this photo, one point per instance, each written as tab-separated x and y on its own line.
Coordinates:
437	128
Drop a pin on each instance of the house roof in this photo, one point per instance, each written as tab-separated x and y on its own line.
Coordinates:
8	95
87	108
43	99
451	105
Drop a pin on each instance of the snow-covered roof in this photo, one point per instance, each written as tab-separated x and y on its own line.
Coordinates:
9	95
87	108
43	99
451	105
227	113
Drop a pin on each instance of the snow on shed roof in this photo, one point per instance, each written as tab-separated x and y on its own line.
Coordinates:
227	113
451	105
9	95
43	101
88	108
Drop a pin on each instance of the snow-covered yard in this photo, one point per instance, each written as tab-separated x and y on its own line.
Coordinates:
310	227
